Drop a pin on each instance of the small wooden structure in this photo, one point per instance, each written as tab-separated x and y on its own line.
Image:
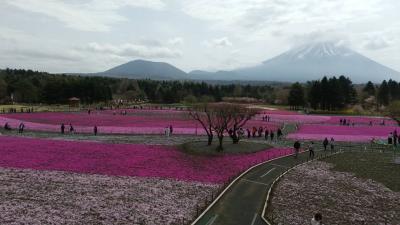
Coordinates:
74	102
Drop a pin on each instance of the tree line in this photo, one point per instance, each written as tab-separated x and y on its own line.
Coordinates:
328	93
29	86
332	93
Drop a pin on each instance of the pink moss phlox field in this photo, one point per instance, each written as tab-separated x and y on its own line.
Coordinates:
104	118
125	159
135	122
343	133
362	120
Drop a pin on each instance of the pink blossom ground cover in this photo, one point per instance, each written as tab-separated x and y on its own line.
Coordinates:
139	122
343	133
362	120
125	159
104	118
56	197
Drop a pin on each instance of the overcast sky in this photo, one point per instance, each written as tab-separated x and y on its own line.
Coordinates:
94	35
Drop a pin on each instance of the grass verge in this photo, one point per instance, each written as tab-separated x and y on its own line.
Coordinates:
379	167
201	147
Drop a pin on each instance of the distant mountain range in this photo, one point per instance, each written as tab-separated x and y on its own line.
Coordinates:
141	69
306	62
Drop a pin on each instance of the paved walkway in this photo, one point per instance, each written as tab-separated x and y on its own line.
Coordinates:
243	203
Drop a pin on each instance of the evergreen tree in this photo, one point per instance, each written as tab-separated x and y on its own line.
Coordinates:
383	94
369	89
296	96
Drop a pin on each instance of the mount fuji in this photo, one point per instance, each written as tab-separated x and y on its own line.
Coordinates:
313	61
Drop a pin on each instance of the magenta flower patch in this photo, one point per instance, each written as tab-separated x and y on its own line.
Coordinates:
126	159
135	122
343	133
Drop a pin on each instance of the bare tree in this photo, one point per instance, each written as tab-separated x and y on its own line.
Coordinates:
239	114
203	113
223	118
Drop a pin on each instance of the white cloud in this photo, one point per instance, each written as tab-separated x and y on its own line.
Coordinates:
92	15
376	41
219	42
48	33
255	19
133	50
175	41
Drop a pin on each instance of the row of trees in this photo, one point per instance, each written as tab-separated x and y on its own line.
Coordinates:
337	93
221	118
326	94
386	93
37	87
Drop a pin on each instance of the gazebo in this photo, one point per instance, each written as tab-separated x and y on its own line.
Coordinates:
74	102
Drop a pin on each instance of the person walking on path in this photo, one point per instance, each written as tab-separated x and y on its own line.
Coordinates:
279	134
21	128
271	134
166	131
260	131
248	133
71	129
325	143
311	150
7	126
296	147
390	138
266	134
95	130
62	128
317	219
332	144
171	129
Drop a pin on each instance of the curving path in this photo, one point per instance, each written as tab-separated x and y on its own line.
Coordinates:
244	200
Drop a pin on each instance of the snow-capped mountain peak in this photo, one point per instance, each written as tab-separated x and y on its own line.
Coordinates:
318	50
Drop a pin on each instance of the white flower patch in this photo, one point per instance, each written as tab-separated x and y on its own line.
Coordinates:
44	197
340	197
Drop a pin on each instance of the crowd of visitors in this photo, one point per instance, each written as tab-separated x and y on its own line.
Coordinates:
255	132
168	130
348	122
15	110
266	118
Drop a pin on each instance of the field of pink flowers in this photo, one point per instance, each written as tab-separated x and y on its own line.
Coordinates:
343	133
55	197
362	120
135	122
125	159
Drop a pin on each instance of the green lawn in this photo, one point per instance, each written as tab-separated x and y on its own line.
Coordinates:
379	167
201	147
